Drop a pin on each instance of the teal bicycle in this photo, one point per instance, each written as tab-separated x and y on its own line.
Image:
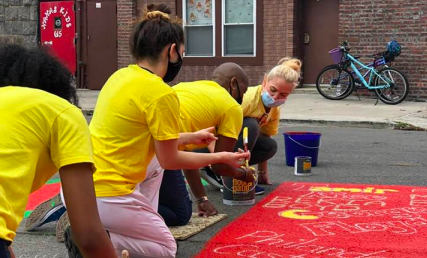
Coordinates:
339	80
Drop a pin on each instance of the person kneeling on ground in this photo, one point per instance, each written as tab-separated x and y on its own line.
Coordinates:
214	104
135	134
42	132
261	109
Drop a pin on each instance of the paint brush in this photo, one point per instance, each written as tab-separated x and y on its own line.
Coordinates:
245	143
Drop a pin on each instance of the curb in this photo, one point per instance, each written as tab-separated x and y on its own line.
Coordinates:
395	125
358	124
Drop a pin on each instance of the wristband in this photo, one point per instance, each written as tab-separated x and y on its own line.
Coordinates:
202	199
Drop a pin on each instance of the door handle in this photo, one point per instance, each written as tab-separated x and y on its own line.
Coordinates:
306	38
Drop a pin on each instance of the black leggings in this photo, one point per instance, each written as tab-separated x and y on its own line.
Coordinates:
4	252
262	147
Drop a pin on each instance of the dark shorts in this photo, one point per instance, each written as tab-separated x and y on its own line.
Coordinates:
3	248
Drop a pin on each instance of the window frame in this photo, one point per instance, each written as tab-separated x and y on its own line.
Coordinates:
184	17
218	59
223	25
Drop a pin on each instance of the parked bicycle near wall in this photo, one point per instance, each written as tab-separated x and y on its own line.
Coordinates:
338	81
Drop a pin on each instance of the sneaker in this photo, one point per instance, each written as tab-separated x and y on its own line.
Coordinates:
45	212
259	190
207	174
73	251
61	226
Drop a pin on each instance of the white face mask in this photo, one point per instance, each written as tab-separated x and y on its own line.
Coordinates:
269	101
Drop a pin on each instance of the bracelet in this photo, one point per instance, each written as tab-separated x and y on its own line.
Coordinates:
202	199
245	174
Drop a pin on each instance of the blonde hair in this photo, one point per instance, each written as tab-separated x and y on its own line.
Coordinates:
288	69
155	15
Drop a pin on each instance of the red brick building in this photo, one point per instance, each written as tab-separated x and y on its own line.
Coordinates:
306	29
274	26
253	33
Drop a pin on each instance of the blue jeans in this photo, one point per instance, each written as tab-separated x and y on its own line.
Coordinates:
4	253
175	205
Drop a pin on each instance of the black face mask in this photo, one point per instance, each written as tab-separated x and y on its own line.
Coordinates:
173	68
239	98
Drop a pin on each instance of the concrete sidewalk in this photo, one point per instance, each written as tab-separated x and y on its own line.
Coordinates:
308	106
305	105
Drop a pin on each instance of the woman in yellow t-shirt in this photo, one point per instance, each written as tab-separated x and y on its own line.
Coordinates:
261	111
135	134
41	133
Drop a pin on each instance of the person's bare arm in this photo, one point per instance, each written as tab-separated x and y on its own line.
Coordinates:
88	232
206	208
204	136
12	254
195	183
225	144
171	158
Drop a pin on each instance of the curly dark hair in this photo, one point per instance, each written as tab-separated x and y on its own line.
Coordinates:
35	68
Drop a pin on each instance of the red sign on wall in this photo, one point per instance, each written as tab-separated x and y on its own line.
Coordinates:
57	31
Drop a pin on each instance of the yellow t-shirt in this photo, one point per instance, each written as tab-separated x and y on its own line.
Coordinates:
253	107
134	108
204	104
39	134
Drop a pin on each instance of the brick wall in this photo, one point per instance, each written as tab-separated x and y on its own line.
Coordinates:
126	17
279	38
368	25
18	22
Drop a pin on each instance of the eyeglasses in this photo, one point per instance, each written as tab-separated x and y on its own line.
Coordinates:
262	119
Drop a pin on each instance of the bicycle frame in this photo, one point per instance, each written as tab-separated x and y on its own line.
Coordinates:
369	69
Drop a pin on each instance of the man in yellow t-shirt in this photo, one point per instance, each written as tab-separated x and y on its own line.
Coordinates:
40	134
204	104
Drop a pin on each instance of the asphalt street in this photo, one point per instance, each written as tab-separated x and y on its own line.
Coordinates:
347	155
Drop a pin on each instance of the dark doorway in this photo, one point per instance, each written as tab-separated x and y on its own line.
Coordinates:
98	46
320	35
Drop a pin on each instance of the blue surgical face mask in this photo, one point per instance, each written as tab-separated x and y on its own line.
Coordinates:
269	102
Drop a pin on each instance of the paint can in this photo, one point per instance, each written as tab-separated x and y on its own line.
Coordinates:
302	166
238	192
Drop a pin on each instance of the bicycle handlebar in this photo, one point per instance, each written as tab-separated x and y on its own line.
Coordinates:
344	46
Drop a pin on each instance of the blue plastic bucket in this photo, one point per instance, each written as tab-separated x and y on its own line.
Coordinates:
301	144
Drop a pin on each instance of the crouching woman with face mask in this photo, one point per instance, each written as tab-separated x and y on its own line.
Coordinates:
261	111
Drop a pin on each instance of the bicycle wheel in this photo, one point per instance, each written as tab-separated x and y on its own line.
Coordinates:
399	86
334	83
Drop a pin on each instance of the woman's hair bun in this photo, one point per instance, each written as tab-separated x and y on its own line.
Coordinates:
293	63
155	15
159	7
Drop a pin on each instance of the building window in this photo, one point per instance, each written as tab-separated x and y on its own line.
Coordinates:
199	25
220	31
238	18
